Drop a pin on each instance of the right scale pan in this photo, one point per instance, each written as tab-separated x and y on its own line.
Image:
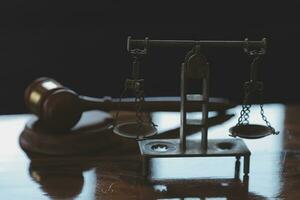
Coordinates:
250	131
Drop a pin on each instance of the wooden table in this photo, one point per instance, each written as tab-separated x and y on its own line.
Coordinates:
274	167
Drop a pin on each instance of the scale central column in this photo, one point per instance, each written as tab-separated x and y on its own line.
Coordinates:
194	67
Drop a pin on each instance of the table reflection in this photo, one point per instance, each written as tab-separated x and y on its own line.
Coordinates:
274	162
69	182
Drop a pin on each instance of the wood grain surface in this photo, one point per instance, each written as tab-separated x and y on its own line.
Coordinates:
116	173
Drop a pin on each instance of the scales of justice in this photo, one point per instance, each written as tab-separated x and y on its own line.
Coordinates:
196	67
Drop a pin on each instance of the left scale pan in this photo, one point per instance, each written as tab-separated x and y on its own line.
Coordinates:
92	133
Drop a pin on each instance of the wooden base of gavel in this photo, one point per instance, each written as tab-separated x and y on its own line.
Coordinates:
68	123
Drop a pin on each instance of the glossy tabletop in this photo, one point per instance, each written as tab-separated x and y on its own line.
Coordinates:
274	166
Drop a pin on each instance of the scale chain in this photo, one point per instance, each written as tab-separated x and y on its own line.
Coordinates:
244	114
263	116
139	99
136	86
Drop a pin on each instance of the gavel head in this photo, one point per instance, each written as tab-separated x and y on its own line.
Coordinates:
57	107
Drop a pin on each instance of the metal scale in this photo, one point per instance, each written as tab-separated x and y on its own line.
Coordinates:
195	66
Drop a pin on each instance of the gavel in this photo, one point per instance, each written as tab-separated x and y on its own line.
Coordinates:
60	108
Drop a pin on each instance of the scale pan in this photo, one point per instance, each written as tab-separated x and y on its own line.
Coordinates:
135	130
250	131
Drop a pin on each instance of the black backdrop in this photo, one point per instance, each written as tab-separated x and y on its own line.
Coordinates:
83	45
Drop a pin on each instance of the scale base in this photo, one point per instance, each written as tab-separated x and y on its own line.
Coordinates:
153	148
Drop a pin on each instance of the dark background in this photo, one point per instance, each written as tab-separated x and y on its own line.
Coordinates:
82	44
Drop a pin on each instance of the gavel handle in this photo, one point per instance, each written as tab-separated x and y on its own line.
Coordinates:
152	104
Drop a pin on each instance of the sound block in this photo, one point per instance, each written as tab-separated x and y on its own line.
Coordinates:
92	133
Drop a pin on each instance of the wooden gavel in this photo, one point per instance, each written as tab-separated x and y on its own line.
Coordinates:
60	108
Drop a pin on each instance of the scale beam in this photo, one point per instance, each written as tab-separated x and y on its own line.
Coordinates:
146	43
